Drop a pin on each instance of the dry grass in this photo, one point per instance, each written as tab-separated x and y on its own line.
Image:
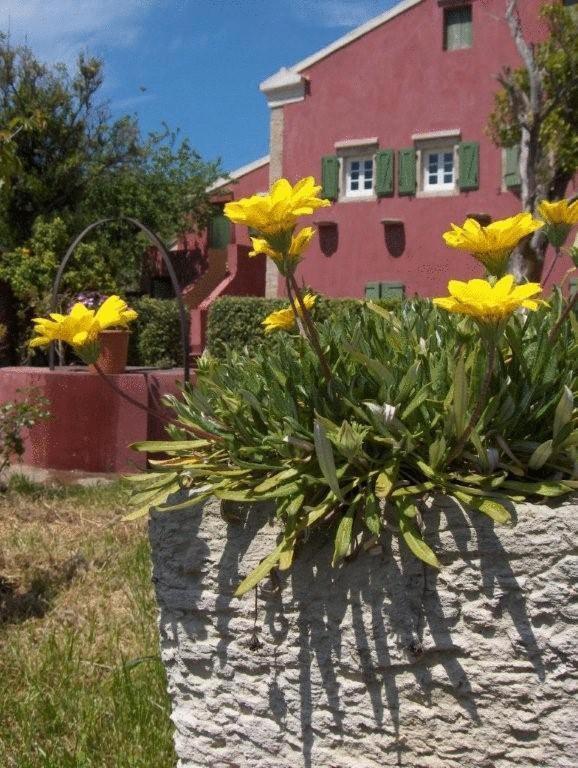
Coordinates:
81	683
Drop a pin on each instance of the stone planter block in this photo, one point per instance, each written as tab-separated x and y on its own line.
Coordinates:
381	662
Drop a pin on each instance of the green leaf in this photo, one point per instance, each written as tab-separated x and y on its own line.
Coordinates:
275	480
540	455
489	507
413	490
408	381
549	489
385	313
379	369
436	452
343	536
371	515
386	480
418	400
564	411
413	537
169	446
262	570
325	458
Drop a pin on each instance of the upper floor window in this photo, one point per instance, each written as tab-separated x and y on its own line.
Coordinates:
358	176
458	27
438	169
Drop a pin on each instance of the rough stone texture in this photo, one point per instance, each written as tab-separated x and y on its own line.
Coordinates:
380	662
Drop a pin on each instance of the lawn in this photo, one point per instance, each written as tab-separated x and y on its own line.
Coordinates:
81	683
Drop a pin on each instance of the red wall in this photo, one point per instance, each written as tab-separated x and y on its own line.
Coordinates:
91	427
392	82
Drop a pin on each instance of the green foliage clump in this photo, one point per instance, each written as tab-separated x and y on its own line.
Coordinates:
410	411
69	163
235	322
555	123
155	338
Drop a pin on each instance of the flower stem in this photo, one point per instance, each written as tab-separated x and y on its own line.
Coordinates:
563	317
480	405
128	398
201	433
552	265
294	308
310	325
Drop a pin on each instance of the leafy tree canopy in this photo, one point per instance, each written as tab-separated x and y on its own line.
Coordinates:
69	163
537	104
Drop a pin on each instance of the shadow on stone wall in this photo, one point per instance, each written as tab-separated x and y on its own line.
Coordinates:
385	622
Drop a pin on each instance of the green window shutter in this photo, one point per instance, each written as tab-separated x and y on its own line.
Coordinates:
469	156
406	179
372	291
219	231
330	177
384	173
392	291
512	167
458	28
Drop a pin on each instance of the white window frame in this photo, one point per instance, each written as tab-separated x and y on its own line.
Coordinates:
348	151
438	142
363	161
441	185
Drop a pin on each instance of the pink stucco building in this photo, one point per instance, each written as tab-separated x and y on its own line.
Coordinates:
391	118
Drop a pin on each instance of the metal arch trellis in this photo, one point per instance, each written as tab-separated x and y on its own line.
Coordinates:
156	241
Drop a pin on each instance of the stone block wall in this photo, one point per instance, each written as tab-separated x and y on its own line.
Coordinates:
380	662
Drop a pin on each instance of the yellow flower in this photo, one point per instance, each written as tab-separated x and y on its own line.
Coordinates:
114	311
493	244
77	328
489	303
299	243
284	319
277	213
80	328
559	212
559	217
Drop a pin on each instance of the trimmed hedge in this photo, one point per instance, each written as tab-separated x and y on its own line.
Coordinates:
235	321
155	338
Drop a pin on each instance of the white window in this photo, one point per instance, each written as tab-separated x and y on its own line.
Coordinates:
358	176
438	168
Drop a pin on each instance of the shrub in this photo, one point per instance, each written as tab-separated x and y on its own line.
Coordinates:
155	339
235	322
15	417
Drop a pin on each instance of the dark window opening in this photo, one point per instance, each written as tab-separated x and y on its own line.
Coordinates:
458	28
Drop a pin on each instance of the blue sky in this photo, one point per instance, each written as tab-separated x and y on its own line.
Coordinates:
195	64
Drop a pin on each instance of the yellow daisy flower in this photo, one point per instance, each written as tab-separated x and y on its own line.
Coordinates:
284	319
559	218
299	243
80	328
492	244
559	212
489	303
277	213
114	312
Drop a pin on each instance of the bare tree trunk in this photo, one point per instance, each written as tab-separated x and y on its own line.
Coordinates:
528	260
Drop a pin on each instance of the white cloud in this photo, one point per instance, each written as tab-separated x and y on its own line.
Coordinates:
57	29
337	13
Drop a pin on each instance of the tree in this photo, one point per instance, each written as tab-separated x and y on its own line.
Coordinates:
537	109
72	163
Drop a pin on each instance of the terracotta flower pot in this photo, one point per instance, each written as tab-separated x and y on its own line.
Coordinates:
113	351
